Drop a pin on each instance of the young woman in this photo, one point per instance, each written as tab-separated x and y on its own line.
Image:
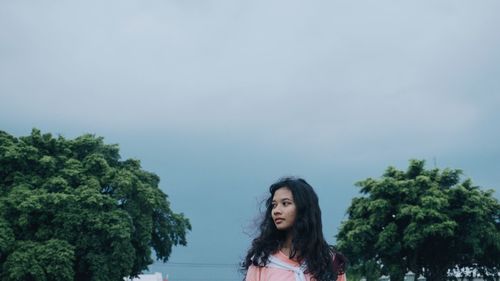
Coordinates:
291	246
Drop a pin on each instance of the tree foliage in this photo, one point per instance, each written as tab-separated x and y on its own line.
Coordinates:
72	210
428	221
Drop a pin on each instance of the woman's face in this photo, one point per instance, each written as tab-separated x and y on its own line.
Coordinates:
283	210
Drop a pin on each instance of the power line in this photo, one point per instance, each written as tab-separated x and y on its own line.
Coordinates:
201	279
199	264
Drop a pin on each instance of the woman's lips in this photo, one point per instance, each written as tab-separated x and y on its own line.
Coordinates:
278	221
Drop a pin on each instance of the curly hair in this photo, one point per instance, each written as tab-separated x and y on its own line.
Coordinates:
308	243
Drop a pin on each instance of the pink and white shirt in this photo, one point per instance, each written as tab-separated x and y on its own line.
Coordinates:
281	268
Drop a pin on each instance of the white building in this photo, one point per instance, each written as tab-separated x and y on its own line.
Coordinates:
410	276
147	277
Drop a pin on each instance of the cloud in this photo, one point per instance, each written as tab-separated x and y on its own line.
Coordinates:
315	74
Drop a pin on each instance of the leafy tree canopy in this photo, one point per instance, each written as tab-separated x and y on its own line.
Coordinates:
428	221
72	210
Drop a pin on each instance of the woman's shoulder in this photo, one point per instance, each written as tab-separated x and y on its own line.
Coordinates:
253	273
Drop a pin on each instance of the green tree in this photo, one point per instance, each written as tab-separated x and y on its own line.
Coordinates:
72	210
428	221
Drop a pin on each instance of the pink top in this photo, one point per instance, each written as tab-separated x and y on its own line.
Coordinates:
257	273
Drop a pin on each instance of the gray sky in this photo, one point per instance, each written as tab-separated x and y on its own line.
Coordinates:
221	98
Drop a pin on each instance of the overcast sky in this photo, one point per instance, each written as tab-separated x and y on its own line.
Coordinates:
222	98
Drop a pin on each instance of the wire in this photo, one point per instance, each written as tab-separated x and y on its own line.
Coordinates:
170	278
196	264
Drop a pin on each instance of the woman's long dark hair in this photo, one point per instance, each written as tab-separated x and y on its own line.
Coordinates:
308	243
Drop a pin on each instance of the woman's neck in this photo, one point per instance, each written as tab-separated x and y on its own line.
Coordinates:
286	247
